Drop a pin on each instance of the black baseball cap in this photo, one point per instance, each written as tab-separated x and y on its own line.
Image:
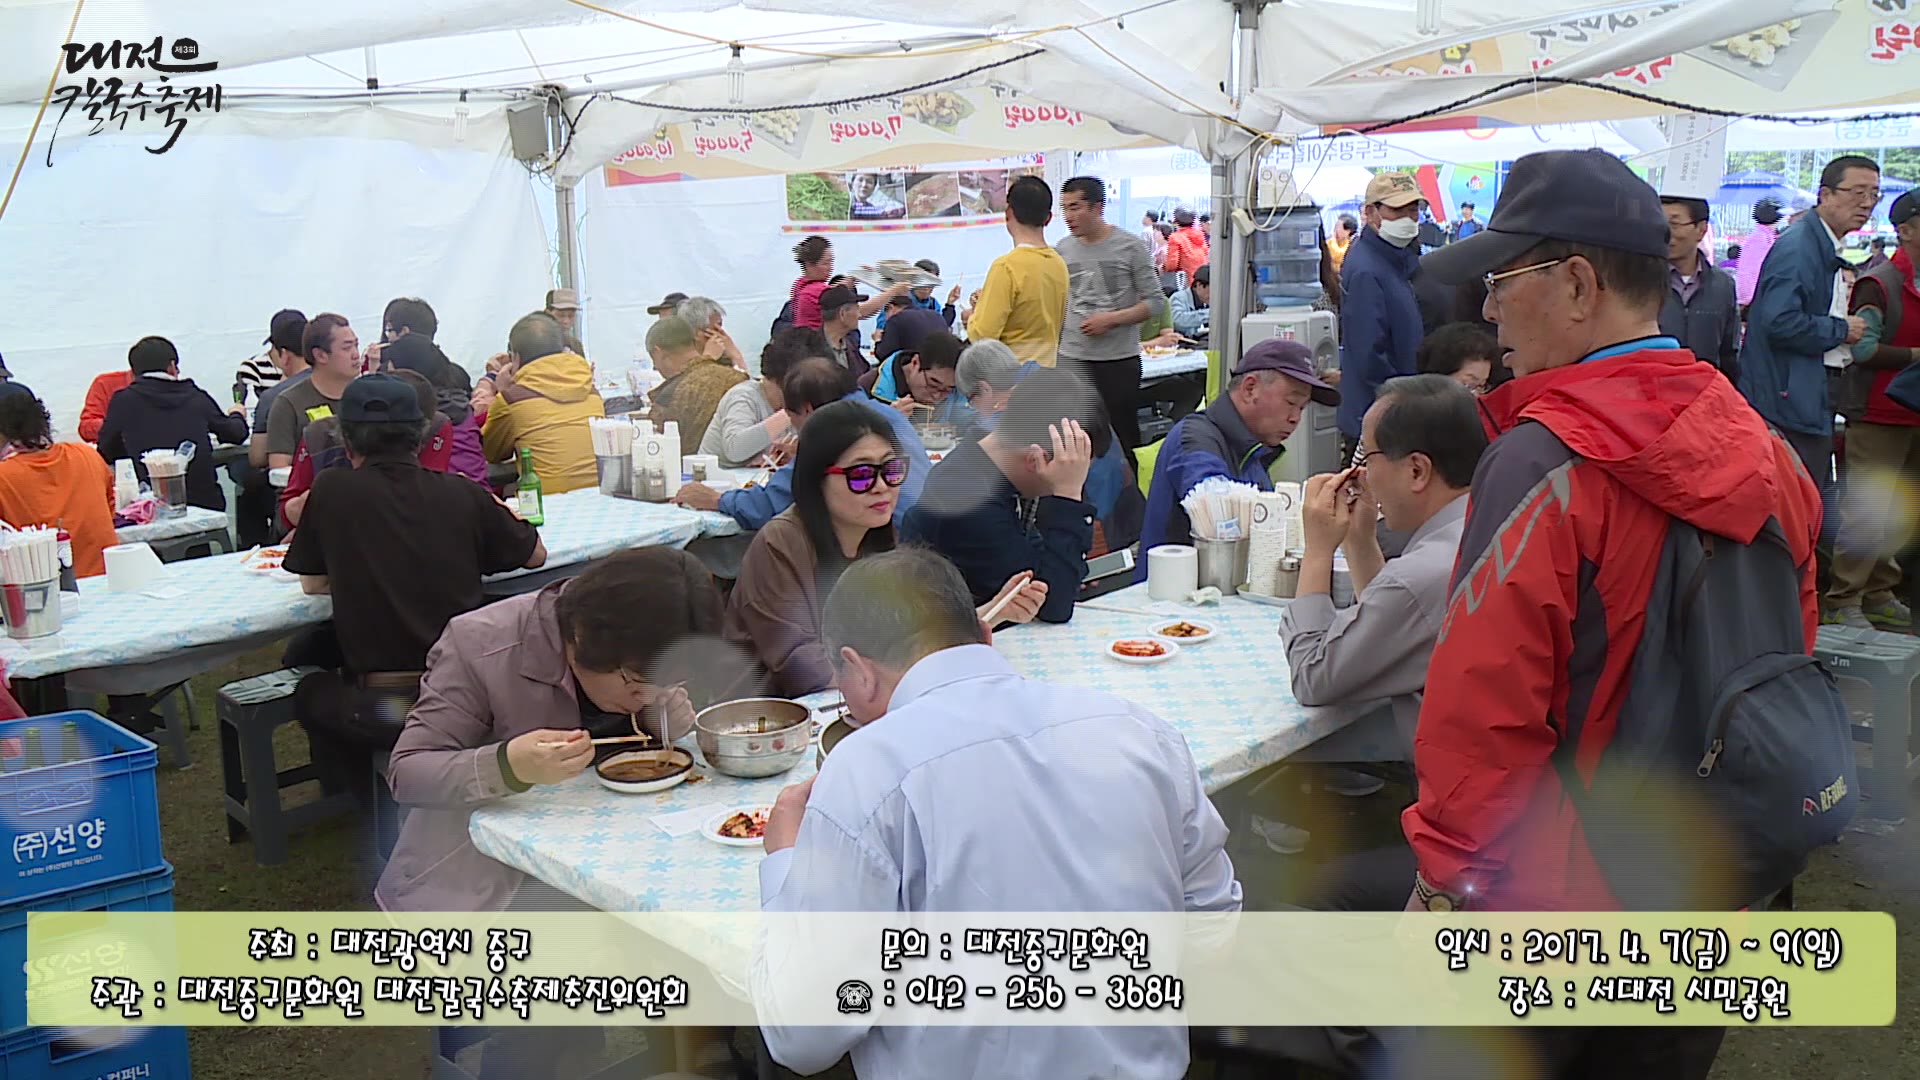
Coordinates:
380	399
1578	196
286	330
668	304
1289	358
1905	207
840	296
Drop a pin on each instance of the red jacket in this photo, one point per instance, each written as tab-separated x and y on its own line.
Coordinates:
1569	509
99	395
1880	408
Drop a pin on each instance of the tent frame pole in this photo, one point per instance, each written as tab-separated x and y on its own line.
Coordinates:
566	238
565	241
1230	177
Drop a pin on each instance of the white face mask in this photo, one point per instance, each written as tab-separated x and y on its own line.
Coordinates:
1400	231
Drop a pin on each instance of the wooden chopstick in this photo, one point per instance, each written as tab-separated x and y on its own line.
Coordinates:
994	611
604	742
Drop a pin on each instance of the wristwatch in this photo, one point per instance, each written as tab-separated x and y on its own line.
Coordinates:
1433	898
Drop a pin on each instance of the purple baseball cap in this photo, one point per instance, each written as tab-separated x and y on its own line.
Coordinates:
1289	358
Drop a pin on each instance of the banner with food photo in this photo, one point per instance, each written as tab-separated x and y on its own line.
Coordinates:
946	195
875	160
1861	51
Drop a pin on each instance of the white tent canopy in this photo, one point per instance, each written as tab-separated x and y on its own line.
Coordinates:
411	189
1153	66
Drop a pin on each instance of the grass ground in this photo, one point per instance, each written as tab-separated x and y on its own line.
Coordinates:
1863	873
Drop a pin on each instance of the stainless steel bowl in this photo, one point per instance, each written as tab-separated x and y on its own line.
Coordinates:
754	737
831	735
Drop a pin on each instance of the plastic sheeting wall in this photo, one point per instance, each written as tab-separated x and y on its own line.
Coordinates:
724	239
204	243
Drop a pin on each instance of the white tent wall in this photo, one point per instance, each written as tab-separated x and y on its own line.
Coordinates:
725	239
204	243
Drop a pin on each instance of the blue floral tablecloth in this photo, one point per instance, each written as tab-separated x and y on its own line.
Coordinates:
1230	697
1180	363
218	600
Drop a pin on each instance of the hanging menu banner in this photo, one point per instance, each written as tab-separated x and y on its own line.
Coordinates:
1861	51
879	139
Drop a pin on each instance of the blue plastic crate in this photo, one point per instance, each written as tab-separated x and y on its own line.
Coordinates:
97	1054
151	892
78	823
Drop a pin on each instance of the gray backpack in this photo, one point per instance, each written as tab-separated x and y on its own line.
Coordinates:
1731	760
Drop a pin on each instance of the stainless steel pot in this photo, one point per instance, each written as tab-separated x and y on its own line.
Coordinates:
754	737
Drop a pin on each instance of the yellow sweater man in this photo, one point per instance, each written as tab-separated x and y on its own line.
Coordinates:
1024	301
540	402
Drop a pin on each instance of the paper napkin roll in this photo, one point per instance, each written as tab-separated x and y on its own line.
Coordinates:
131	568
1173	571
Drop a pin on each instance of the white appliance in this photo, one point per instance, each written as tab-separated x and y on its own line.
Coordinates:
1314	446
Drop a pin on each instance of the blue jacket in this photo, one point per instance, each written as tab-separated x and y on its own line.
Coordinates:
1106	480
889	385
974	517
1783	368
1215	442
1380	327
1188	316
929	304
753	507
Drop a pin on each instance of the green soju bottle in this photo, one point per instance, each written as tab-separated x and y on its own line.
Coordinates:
531	503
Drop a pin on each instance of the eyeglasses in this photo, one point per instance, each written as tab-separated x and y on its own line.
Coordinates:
861	477
1360	459
635	682
1861	194
1493	280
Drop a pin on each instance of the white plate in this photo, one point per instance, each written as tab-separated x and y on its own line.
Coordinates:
1173	650
1207	631
640	787
711	827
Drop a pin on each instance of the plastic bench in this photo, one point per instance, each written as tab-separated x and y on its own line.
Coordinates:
250	711
1889	663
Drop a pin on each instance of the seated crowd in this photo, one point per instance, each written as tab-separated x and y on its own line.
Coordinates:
1500	621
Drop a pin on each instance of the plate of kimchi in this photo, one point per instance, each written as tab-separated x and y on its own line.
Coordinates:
1185	631
1144	649
738	826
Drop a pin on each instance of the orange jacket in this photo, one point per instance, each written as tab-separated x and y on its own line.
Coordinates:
99	396
1187	251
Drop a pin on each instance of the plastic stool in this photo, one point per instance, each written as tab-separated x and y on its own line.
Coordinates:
176	548
1889	663
250	711
173	705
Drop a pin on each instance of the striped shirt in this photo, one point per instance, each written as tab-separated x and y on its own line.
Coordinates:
256	374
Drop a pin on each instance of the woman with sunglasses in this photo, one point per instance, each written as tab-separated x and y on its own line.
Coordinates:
847	473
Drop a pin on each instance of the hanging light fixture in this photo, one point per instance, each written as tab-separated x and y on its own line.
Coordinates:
460	119
737	78
1426	16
